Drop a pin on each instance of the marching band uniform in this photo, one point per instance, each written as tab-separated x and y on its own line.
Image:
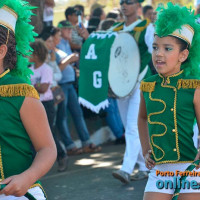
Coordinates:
171	117
170	102
13	91
129	106
16	154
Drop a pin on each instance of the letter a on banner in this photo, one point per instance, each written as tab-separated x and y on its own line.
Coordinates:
91	53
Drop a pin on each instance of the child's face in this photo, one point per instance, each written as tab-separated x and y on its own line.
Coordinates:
167	56
49	43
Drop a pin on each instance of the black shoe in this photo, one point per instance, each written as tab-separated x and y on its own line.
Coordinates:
63	163
120	140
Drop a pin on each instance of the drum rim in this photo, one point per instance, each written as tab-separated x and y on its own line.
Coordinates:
129	94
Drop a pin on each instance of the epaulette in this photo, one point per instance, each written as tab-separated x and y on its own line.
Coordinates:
188	83
147	86
14	90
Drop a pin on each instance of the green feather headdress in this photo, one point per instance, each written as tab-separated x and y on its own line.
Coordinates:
172	18
24	34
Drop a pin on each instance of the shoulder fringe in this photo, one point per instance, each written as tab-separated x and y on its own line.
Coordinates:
14	90
147	86
188	83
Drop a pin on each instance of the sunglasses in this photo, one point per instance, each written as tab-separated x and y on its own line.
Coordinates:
128	2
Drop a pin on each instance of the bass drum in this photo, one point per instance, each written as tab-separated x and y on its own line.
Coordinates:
124	65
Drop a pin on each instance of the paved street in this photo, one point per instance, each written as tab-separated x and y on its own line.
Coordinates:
89	178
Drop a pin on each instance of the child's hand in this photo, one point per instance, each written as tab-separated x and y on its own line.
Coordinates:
148	161
74	57
17	185
197	158
53	56
83	32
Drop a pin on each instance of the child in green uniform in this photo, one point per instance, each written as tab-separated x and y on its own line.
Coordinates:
23	118
170	103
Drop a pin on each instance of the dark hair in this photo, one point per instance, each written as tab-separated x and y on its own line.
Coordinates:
183	44
106	24
97	12
10	58
69	11
54	30
93	24
146	8
79	7
112	15
39	49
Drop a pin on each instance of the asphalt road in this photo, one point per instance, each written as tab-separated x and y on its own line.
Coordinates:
89	177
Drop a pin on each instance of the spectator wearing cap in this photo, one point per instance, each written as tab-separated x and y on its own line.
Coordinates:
66	34
76	41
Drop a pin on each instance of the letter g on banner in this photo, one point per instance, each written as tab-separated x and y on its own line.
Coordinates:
97	79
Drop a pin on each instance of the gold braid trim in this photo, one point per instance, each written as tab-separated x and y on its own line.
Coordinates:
188	84
15	90
147	86
1	166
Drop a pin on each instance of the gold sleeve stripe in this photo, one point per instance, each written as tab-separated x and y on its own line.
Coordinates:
188	84
15	90
147	86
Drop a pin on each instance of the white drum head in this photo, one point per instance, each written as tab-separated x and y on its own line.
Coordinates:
124	65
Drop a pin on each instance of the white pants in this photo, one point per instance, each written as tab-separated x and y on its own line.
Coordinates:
196	134
153	178
129	109
36	192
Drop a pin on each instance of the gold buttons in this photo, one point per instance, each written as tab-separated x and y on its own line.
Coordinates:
172	109
174	89
173	130
174	149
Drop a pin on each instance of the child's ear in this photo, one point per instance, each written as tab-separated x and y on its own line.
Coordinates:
184	55
3	51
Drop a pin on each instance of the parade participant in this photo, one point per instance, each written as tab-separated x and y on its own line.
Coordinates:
23	118
129	106
170	101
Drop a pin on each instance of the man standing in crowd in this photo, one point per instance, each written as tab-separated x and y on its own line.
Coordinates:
129	106
71	15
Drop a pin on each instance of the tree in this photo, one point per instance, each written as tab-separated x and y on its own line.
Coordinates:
37	20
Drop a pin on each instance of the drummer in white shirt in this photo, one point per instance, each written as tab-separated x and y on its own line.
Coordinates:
129	106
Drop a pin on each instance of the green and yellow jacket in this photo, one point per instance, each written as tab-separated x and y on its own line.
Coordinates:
170	115
15	145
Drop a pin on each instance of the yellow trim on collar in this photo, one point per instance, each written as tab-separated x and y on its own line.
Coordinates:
3	74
